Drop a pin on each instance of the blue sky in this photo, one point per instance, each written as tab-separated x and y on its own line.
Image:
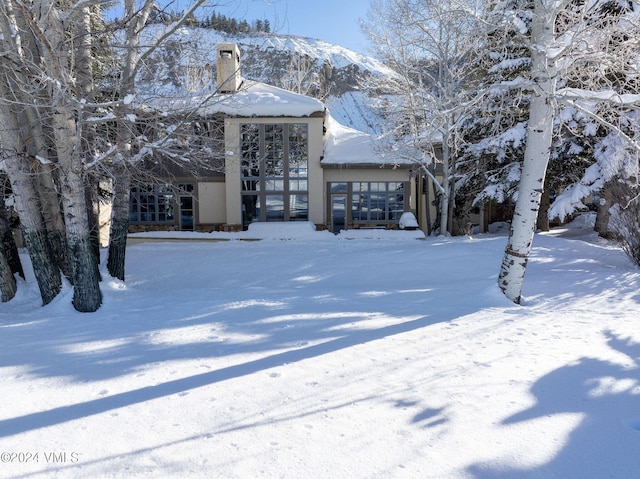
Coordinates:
335	21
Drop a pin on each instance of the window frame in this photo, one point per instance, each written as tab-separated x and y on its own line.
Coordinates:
159	198
369	198
274	169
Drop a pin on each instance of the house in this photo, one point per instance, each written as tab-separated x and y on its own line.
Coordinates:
285	159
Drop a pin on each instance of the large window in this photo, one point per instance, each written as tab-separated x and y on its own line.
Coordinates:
275	161
151	204
377	201
366	203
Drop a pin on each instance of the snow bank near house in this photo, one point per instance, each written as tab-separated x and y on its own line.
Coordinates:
381	234
285	230
408	220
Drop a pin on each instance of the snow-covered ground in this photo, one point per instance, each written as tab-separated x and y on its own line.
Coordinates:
328	357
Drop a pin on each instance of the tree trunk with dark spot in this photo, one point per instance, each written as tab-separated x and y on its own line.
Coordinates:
119	226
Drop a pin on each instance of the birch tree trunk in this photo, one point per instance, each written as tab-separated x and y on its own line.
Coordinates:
28	206
37	141
536	157
93	216
542	222
59	64
22	139
119	225
445	199
86	288
85	81
122	181
8	286
53	219
35	234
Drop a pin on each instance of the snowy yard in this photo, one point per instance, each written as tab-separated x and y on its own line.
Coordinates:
323	357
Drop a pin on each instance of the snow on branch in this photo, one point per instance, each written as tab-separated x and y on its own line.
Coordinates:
100	119
100	158
610	96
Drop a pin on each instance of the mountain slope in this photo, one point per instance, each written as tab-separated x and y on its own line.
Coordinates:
305	65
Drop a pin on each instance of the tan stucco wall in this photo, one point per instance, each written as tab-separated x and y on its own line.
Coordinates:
316	183
212	204
232	170
104	222
232	164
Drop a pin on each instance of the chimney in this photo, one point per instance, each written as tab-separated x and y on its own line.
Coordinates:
228	55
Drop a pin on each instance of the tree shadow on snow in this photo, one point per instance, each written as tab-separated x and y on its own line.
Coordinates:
300	315
63	414
606	442
214	315
225	319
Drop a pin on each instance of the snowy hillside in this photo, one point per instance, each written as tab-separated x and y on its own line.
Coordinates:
338	57
187	63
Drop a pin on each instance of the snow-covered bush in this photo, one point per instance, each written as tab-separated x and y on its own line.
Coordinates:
624	222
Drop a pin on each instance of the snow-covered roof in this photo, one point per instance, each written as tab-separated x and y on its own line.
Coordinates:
260	99
342	145
346	146
253	99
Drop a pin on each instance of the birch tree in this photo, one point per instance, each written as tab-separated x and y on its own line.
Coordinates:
429	44
54	27
537	151
565	38
7	239
19	85
28	203
134	56
48	111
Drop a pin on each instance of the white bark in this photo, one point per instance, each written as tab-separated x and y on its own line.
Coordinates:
46	81
86	294
20	168
537	151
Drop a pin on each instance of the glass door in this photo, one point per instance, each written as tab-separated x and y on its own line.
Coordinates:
338	213
186	213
